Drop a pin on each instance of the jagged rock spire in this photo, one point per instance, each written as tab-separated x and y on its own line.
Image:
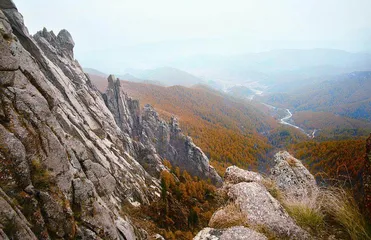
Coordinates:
7	4
165	139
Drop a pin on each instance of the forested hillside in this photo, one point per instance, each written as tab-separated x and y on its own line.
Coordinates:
331	126
341	160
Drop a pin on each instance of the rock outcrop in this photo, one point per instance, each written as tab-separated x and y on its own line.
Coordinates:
260	208
164	139
67	161
252	205
292	178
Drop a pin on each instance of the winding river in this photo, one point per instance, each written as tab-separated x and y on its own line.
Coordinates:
285	119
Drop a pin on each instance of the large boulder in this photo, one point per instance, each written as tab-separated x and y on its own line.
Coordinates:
261	209
293	178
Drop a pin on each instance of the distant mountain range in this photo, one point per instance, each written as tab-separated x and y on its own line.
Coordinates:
272	71
168	76
280	70
164	76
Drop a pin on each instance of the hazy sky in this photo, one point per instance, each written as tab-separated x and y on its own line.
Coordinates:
112	35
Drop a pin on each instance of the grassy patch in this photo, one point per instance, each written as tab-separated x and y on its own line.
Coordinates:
41	178
306	216
333	212
10	228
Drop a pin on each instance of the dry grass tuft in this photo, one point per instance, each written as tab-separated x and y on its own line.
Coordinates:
333	207
228	216
342	208
306	216
291	162
272	188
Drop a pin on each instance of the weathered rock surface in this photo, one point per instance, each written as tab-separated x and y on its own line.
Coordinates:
292	178
13	221
233	233
236	175
261	209
67	161
251	204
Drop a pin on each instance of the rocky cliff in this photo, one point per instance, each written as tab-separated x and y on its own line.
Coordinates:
162	138
69	156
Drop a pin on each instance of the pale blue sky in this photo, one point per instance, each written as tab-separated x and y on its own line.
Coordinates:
115	34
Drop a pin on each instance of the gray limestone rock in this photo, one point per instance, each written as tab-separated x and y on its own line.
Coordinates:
251	204
261	209
236	175
13	224
161	138
7	4
59	216
66	42
292	178
60	144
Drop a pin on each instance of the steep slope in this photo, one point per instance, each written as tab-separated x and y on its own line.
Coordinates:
67	161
